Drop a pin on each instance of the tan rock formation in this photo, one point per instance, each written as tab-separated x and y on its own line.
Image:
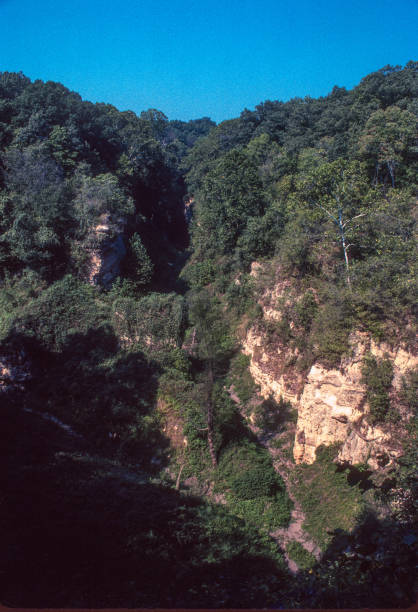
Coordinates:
269	369
107	252
331	403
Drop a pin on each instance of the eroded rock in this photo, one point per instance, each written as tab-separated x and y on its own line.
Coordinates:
331	403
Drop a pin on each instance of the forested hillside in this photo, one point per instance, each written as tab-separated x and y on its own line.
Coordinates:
207	351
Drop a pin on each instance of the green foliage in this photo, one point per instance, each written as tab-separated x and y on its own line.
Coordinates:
300	555
254	483
409	390
215	342
142	265
387	139
239	295
240	377
331	329
34	212
155	322
305	310
327	499
231	193
16	292
254	491
98	196
377	375
267	513
200	274
65	308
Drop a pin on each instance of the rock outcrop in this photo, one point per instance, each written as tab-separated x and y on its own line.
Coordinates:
331	403
269	367
188	208
106	252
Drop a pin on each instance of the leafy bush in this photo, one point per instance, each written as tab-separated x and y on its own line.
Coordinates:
141	265
409	390
65	308
305	310
331	329
377	375
156	321
253	489
304	559
267	513
240	377
200	274
256	482
327	499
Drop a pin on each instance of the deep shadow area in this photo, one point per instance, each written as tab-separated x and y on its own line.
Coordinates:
77	531
357	476
372	567
272	416
106	395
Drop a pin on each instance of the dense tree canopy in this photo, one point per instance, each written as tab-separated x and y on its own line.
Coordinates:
123	407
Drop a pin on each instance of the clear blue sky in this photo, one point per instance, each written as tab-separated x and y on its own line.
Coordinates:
194	58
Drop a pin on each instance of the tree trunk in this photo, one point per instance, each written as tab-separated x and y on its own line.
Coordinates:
179	476
210	417
345	248
391	168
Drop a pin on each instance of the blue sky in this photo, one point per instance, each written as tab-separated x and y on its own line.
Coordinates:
193	58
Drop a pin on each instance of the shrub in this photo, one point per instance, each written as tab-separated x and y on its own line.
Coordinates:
331	329
304	559
327	499
200	274
256	482
409	390
377	375
305	310
240	377
253	490
65	308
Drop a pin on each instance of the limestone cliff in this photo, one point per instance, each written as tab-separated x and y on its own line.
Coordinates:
331	403
333	408
106	250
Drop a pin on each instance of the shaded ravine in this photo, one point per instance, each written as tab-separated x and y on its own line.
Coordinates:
284	467
294	531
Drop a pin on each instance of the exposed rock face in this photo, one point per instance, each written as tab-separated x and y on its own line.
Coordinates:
333	408
270	370
107	252
271	362
15	370
331	403
188	208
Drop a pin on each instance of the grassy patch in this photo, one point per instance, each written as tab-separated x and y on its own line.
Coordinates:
240	377
303	558
267	512
327	499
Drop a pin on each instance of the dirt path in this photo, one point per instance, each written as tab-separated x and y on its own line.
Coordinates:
295	531
284	467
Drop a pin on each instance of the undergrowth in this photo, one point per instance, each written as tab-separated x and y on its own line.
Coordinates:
327	499
304	559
